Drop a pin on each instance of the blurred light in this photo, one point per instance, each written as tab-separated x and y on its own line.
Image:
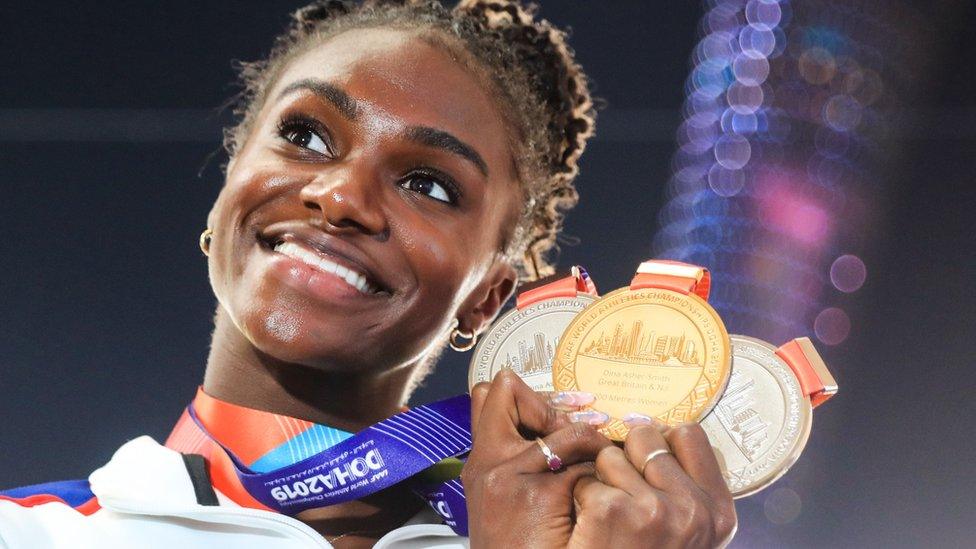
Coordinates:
787	211
832	326
717	46
780	45
732	151
817	66
842	113
722	18
865	85
782	506
744	98
750	69
733	122
757	40
759	12
778	131
726	182
848	273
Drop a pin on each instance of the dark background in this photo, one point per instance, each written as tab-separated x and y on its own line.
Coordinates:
108	115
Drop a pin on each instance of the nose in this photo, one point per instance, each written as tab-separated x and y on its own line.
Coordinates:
348	201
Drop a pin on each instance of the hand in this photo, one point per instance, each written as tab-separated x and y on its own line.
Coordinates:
675	499
513	499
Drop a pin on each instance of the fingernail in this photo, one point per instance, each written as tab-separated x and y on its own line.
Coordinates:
590	417
634	419
573	399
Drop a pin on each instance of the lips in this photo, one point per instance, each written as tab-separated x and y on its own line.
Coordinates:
326	253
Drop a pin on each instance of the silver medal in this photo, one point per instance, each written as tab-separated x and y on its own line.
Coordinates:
525	341
760	425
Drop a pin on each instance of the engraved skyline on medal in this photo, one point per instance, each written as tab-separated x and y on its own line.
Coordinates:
761	424
525	341
652	351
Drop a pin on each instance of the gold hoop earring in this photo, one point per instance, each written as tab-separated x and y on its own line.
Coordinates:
206	237
456	333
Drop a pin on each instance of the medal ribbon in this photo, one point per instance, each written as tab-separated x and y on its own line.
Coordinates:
673	275
566	284
815	379
382	455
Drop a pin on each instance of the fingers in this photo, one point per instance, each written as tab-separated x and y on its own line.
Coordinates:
607	516
574	443
690	445
613	468
591	493
567	400
478	395
662	470
510	404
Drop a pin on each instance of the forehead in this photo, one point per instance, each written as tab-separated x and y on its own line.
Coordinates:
400	79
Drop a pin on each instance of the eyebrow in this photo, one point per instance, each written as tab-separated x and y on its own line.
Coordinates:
424	135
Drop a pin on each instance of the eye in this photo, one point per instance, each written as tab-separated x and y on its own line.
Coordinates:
305	133
433	184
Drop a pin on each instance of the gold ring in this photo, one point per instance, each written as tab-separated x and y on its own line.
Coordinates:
651	456
552	460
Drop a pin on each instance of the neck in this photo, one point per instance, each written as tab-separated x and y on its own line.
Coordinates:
239	373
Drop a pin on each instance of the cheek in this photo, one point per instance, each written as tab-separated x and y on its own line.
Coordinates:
436	256
235	212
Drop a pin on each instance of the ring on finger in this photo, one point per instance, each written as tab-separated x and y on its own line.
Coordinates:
554	462
652	455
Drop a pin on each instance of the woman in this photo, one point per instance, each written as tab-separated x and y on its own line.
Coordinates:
396	167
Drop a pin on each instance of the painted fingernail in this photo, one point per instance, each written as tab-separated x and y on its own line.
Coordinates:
590	417
634	419
573	399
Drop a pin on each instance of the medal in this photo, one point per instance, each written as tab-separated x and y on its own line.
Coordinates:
656	348
761	424
525	338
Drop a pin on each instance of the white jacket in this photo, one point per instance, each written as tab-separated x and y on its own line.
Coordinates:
148	500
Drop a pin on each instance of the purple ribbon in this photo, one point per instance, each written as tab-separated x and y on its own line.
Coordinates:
387	453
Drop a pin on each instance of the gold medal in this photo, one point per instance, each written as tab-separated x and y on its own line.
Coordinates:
656	348
525	338
762	422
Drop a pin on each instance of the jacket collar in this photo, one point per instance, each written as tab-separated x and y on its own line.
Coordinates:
145	478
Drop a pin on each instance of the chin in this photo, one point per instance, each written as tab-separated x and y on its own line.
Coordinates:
289	337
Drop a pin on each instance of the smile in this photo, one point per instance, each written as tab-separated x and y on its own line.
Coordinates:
317	261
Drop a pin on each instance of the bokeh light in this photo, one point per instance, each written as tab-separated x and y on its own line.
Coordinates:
847	273
842	112
782	505
750	68
782	111
743	98
832	326
726	182
732	151
817	66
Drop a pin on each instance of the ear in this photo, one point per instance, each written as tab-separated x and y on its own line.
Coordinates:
487	299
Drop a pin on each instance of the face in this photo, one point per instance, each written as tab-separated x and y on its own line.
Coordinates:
367	208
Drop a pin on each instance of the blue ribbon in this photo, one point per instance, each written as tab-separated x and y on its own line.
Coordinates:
382	455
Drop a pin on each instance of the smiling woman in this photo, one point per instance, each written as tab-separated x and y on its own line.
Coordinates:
398	166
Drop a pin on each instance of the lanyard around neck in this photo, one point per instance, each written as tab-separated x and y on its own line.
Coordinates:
382	455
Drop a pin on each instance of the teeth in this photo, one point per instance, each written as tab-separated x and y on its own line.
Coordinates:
309	257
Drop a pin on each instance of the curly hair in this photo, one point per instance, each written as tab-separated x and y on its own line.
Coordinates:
543	93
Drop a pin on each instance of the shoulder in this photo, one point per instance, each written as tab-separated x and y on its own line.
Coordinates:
145	496
76	494
39	515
